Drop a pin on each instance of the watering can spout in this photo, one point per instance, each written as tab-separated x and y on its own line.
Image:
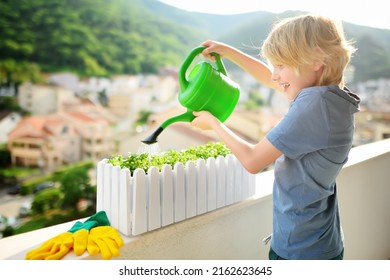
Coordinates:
185	117
152	138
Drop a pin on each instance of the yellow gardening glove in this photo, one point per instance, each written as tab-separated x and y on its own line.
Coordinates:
106	240
80	242
57	247
53	249
76	238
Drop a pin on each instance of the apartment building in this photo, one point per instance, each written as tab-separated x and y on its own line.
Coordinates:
96	139
63	129
44	141
40	99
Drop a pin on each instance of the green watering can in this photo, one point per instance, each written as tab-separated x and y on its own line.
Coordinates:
205	89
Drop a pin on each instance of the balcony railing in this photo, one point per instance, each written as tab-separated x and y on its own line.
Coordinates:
236	231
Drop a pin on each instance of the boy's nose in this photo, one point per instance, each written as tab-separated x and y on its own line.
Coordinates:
274	76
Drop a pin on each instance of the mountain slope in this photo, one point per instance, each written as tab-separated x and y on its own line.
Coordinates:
104	38
248	31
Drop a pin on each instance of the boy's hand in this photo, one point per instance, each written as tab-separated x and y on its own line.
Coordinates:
204	120
214	47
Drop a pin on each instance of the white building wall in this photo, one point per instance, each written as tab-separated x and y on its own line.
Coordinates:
7	124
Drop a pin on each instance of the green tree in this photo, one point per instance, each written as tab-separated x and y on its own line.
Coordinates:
13	73
5	155
255	101
9	103
88	37
143	116
46	200
75	185
103	98
8	231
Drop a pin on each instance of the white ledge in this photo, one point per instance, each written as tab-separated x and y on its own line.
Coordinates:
368	151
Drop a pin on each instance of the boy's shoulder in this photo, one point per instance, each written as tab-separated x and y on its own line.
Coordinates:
329	98
319	91
331	92
311	96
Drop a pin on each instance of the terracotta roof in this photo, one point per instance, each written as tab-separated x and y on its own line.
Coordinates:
81	116
38	126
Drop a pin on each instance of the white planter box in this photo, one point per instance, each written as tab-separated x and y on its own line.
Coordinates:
144	202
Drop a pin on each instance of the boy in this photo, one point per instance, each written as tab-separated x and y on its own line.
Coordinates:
308	55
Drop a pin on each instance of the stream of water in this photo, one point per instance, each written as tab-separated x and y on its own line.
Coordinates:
149	148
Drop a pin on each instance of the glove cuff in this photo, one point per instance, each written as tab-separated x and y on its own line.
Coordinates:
98	219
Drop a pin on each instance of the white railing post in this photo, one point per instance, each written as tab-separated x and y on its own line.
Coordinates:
211	184
179	192
154	199
139	211
125	202
201	186
166	186
221	181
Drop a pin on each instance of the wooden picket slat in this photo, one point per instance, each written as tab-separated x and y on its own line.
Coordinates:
107	190
166	186
201	184
125	202
245	185
221	181
190	189
229	179
252	185
237	180
139	211
154	199
179	192
100	184
211	184
114	203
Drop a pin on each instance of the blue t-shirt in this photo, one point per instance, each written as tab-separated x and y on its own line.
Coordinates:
315	137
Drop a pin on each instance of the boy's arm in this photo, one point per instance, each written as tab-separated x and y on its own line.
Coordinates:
253	157
256	68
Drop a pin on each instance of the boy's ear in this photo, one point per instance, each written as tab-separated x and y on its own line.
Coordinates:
318	64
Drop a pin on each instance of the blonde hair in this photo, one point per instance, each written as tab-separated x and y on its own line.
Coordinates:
305	39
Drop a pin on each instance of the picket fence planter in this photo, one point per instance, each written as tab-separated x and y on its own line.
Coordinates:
145	202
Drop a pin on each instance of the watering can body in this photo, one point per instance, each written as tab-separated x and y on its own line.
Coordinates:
205	88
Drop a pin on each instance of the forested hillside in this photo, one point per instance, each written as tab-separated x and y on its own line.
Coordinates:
90	37
104	38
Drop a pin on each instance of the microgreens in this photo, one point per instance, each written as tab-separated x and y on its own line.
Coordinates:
144	160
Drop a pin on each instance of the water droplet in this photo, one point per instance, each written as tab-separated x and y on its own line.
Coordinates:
149	148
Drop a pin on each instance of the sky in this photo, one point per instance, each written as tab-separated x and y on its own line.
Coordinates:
372	13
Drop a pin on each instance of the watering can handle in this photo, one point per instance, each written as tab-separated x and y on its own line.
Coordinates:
187	62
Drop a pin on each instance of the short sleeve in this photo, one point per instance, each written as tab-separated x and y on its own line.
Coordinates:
304	129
